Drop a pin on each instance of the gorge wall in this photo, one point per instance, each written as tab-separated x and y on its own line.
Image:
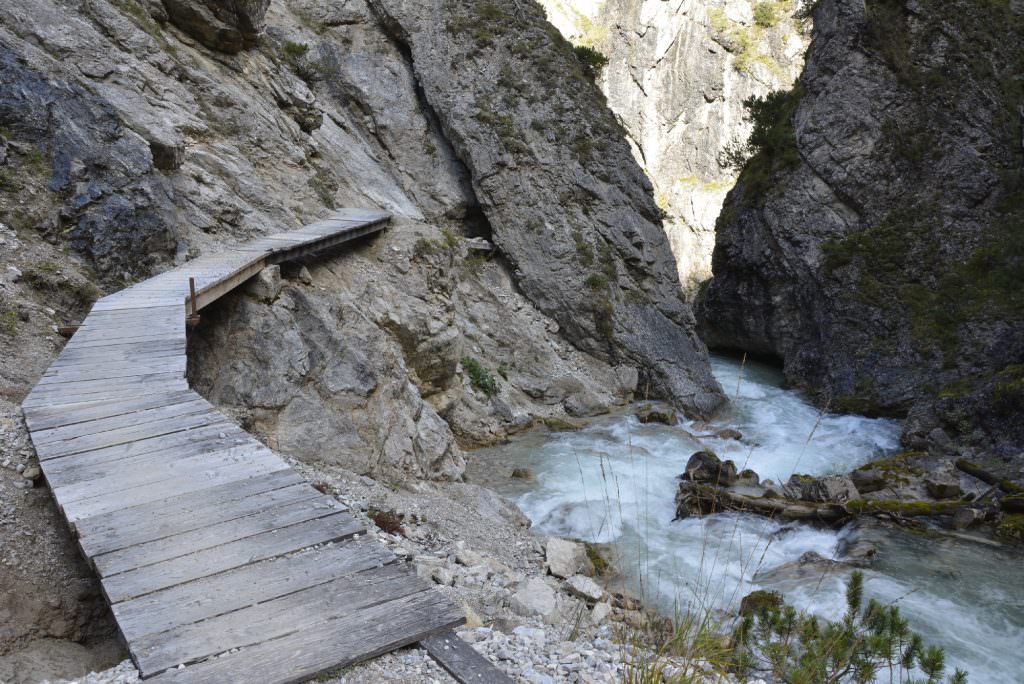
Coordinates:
526	277
874	240
677	75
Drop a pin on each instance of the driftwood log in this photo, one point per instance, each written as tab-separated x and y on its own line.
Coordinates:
701	499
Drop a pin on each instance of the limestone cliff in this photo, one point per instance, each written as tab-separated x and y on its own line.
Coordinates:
526	276
677	75
874	241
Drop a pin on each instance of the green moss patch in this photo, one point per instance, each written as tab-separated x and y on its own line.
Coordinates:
1011	527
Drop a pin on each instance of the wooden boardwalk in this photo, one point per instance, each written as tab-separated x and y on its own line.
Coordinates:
213	553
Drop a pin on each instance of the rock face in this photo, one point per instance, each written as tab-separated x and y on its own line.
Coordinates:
226	26
525	277
73	168
677	75
873	242
565	202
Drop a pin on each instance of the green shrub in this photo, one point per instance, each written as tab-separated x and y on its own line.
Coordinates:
864	645
772	144
766	14
593	61
9	322
596	282
294	51
479	377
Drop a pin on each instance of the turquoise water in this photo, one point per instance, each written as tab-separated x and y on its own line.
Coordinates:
615	482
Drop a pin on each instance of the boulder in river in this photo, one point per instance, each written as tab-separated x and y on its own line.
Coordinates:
657	413
566	558
868	480
706	468
828	489
943	486
758	602
748	477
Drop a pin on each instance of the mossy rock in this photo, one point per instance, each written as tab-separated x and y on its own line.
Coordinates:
657	414
602	566
522	474
1011	527
559	425
908	509
760	602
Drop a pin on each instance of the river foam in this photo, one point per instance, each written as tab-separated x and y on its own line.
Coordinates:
615	482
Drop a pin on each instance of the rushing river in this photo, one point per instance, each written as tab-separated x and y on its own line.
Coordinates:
615	482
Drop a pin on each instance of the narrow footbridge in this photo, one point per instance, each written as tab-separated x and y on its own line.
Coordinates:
220	562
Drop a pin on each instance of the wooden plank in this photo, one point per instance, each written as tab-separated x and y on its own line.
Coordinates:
84	387
48	418
297	612
213	449
85	508
127	527
81	359
114	391
462	661
138	302
353	637
141	581
95	385
165	446
196	465
191	403
127	435
245	586
152	341
60	376
121	310
167	548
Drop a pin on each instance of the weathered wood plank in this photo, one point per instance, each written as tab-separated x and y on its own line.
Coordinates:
61	376
85	508
245	586
128	435
167	548
118	391
353	637
141	581
191	404
196	465
212	447
462	661
127	527
297	612
81	359
77	388
206	438
139	342
48	418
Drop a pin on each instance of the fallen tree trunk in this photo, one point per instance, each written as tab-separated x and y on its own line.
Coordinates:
702	499
974	470
698	499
